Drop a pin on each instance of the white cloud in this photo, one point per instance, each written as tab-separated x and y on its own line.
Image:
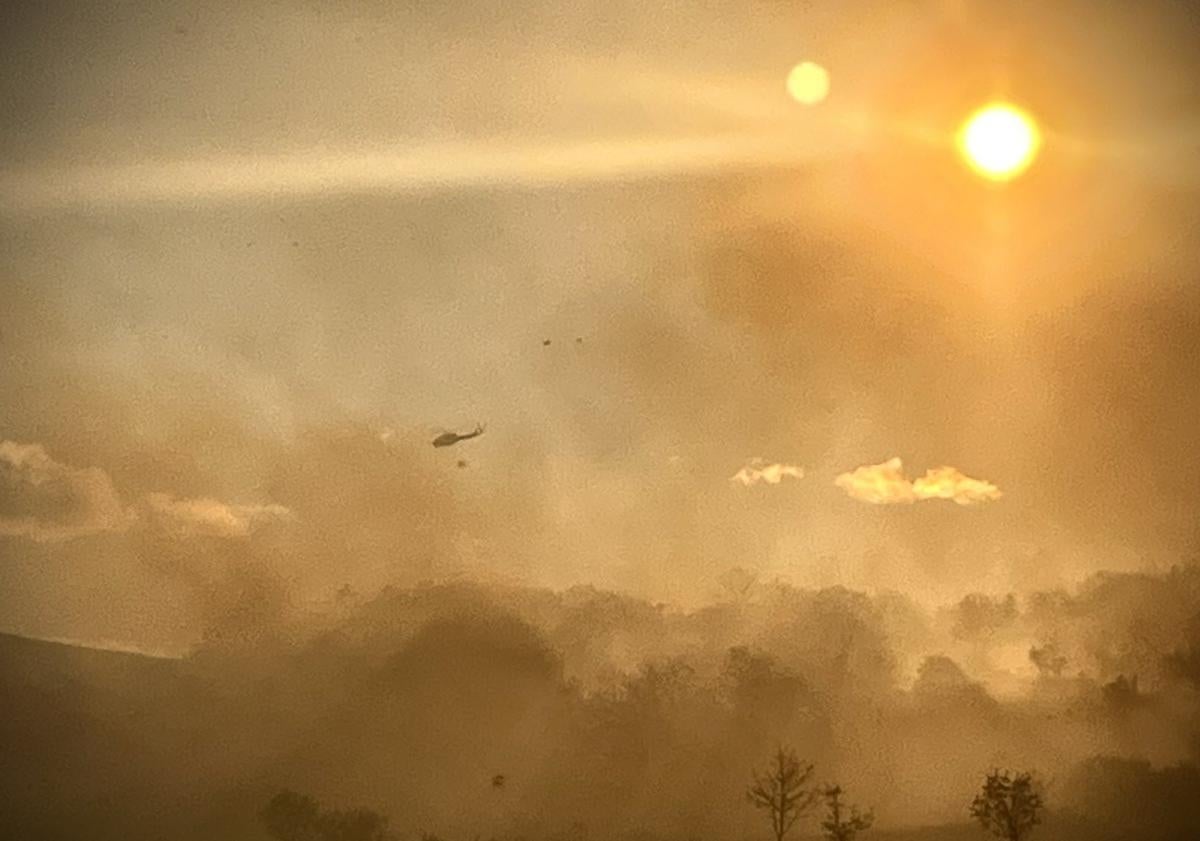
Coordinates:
757	470
879	484
885	484
950	483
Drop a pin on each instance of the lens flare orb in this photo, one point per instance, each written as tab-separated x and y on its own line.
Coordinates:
808	83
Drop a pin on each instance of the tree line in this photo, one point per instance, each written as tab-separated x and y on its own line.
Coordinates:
1008	806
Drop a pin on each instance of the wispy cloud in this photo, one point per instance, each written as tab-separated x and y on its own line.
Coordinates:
44	500
386	169
47	501
212	517
757	470
886	484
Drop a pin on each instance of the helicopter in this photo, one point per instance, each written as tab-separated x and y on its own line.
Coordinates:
446	439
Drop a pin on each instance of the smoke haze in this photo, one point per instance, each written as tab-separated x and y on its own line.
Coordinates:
795	430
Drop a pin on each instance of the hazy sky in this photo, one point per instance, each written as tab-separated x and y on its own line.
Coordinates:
253	259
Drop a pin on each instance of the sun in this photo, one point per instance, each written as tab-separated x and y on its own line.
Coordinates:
999	141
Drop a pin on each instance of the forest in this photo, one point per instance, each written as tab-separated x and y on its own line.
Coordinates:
457	710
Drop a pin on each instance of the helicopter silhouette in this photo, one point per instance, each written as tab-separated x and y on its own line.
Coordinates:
446	439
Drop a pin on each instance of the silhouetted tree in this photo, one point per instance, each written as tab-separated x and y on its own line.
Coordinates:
1130	798
979	617
1008	806
290	816
1122	693
782	791
354	825
297	817
1184	662
1047	660
840	825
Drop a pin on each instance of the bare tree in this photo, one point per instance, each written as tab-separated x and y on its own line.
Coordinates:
783	791
1008	806
840	825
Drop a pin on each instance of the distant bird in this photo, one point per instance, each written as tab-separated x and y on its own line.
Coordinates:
498	781
448	438
579	340
545	343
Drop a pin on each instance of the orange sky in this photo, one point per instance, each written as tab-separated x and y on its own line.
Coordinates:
238	246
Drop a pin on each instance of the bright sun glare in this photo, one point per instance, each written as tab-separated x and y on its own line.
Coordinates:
999	141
